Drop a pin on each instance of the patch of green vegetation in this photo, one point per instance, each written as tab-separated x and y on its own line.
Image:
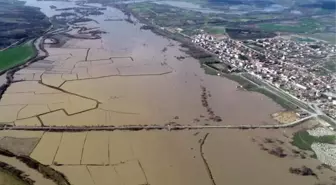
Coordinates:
8	179
328	37
305	39
15	56
206	60
304	140
321	72
303	26
214	29
331	65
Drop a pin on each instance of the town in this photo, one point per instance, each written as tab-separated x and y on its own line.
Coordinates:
295	67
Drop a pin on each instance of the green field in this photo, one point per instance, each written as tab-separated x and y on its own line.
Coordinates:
304	140
214	29
302	26
305	39
15	56
328	37
331	64
7	179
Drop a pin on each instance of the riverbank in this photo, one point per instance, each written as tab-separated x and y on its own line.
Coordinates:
29	170
39	54
208	59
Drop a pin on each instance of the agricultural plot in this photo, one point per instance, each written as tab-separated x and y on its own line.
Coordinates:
71	148
104	175
28	122
77	175
15	56
96	148
131	173
302	26
120	148
21	134
47	147
304	140
19	146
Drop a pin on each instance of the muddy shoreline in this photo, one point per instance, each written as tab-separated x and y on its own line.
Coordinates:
11	170
46	171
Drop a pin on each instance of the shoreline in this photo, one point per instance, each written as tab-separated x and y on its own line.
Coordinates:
16	173
284	101
46	171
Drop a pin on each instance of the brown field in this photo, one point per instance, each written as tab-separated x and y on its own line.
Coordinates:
71	148
20	134
285	116
46	149
104	175
96	148
77	175
19	146
28	121
131	173
124	147
165	158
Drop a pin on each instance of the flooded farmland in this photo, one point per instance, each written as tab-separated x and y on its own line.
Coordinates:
131	76
127	77
161	157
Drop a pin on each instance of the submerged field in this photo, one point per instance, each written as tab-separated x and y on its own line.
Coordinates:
182	158
131	76
106	84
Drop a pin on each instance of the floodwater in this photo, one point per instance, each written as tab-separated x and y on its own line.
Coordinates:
128	77
131	77
165	158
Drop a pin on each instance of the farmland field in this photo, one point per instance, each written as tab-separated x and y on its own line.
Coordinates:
15	56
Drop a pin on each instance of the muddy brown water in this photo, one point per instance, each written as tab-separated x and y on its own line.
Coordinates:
165	158
155	87
149	86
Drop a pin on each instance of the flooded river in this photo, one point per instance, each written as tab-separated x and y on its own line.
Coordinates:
135	78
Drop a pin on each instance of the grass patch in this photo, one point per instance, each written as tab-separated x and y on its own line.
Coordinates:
15	56
214	30
8	179
304	140
305	39
331	64
303	26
